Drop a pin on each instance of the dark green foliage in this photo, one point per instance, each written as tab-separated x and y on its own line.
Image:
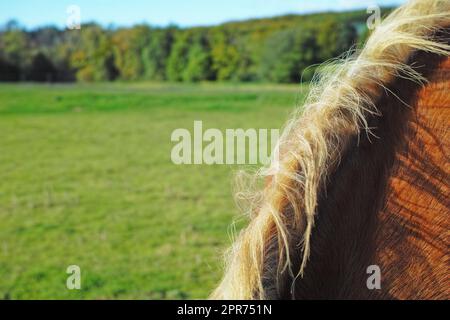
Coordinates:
14	45
225	55
8	71
199	60
128	46
334	38
157	52
41	69
178	58
365	33
280	49
93	59
287	54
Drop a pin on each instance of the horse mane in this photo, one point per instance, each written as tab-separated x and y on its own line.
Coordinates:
341	99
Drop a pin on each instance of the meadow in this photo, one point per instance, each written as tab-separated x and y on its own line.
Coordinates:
86	178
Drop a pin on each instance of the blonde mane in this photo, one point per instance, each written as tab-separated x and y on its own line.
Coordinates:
313	141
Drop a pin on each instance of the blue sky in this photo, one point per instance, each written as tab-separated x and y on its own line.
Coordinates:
32	13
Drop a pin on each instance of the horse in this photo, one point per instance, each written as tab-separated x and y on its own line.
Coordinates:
362	178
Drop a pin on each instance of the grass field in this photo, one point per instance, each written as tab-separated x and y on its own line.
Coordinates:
86	179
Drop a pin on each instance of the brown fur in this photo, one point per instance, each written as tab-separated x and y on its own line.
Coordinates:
387	204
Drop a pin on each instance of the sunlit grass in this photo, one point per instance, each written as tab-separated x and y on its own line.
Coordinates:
86	179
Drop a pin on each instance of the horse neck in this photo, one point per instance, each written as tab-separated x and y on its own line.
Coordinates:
414	239
386	204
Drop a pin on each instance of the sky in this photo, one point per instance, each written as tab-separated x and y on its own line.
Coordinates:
32	13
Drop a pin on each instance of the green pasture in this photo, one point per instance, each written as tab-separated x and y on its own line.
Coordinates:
86	179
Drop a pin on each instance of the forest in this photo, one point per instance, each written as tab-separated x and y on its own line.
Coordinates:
282	49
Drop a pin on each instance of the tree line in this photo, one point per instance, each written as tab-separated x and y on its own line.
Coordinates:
280	49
